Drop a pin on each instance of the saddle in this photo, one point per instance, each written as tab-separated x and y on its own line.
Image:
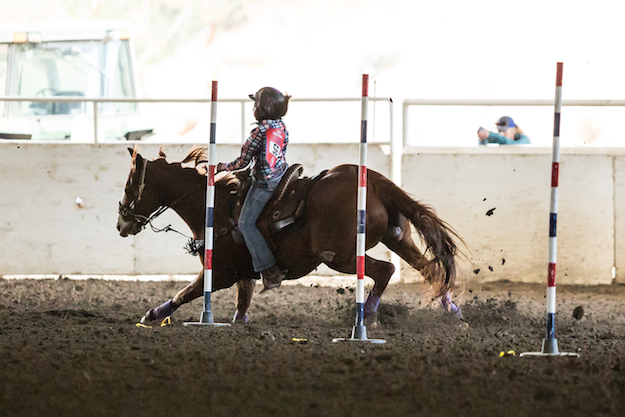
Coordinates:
286	208
283	213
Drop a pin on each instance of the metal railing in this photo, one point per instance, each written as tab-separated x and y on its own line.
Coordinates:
395	148
407	103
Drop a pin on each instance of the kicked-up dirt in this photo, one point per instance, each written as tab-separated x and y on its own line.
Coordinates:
72	348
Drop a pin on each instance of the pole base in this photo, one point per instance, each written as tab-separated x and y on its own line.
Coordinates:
550	348
359	334
206	319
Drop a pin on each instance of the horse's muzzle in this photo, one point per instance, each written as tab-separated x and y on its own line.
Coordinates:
127	227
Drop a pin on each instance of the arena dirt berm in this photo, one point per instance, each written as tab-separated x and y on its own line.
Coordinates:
72	348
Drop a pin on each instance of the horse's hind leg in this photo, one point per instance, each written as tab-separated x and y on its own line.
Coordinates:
187	294
379	271
399	240
245	290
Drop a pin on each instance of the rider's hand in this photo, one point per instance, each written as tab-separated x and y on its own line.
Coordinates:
220	167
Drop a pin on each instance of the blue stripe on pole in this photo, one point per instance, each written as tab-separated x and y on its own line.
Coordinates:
551	325
556	124
360	314
212	132
553	218
361	221
207	300
363	132
209	217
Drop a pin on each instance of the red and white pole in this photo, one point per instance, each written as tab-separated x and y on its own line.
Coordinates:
206	317
550	343
359	332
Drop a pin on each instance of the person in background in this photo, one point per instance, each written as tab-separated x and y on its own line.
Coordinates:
265	151
508	133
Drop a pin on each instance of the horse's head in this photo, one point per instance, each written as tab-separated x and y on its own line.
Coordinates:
139	200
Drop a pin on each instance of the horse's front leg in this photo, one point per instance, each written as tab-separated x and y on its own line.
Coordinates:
245	290
185	295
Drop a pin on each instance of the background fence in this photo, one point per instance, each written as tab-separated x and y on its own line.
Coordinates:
44	232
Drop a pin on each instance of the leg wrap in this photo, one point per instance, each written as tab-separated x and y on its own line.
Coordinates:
371	305
239	319
162	311
449	305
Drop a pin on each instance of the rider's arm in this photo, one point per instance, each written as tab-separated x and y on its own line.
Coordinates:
248	150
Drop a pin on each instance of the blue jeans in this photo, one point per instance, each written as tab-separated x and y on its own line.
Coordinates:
260	192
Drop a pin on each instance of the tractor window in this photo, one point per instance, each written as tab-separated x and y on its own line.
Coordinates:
118	83
4	51
71	69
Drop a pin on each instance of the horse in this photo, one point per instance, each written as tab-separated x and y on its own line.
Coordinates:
325	232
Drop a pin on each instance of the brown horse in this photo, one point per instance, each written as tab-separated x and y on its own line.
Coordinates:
326	233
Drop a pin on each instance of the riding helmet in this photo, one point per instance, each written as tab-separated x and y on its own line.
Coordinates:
270	103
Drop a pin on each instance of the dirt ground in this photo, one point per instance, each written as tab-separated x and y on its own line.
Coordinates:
72	348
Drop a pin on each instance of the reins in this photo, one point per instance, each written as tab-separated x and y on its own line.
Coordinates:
148	220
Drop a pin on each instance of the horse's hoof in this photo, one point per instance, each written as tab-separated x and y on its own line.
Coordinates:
457	314
146	318
371	323
371	319
238	319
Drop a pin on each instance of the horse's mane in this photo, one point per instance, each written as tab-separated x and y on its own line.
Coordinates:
199	156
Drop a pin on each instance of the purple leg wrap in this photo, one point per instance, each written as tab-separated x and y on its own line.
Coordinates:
239	319
372	303
449	305
162	311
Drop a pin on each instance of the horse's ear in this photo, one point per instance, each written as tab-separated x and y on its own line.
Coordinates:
161	153
134	152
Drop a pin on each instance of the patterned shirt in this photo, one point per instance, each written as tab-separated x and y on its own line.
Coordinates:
266	149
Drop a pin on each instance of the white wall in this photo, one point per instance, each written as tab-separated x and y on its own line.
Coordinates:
464	183
43	232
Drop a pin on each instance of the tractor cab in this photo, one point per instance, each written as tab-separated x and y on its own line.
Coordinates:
92	59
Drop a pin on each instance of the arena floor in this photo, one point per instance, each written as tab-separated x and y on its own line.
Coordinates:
72	348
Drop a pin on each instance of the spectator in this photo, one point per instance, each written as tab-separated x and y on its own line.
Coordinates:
508	133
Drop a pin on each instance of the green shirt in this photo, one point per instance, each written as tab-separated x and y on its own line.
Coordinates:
502	140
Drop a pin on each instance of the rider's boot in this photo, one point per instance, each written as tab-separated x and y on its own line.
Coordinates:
272	278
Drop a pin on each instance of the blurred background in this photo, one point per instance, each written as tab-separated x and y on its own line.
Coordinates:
446	49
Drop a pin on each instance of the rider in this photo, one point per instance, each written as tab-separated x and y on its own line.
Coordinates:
265	149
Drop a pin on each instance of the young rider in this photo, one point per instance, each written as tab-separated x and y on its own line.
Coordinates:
265	149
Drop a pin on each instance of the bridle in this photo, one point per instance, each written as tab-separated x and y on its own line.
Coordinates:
129	210
143	221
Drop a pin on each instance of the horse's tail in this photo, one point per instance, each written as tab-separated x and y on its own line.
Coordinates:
438	265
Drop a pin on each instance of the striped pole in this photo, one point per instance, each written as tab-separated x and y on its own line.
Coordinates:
553	217
206	317
550	343
359	332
